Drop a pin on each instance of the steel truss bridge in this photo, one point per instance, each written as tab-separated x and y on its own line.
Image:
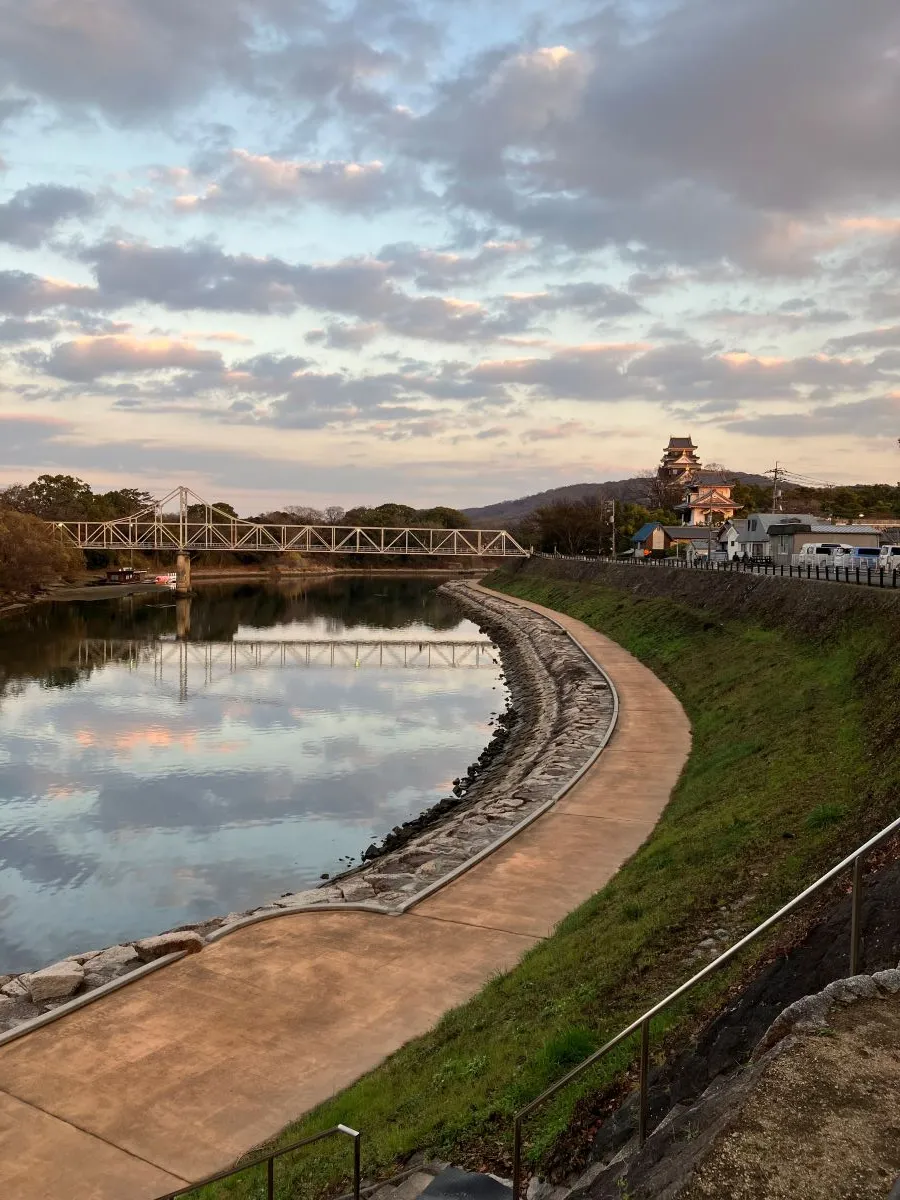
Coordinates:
155	528
214	660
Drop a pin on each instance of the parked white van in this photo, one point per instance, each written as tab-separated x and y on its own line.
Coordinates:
889	558
866	557
817	554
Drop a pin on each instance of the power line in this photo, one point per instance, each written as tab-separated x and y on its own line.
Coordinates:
782	473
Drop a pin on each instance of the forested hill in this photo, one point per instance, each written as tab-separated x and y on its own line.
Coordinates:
633	490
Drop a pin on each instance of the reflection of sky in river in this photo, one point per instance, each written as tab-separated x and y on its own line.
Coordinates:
124	810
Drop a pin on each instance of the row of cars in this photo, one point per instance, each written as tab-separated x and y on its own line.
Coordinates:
837	554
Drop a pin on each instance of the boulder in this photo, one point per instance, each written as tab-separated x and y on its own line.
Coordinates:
58	982
310	896
357	892
115	960
83	958
168	943
15	988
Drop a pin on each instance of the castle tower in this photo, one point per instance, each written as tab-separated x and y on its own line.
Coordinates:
680	461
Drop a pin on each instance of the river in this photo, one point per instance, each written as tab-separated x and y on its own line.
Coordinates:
149	780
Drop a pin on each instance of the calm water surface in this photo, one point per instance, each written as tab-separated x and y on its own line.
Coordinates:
147	781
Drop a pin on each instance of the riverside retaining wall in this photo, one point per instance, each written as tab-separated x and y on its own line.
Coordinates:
809	608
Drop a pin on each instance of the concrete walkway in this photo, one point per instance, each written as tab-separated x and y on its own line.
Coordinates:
176	1075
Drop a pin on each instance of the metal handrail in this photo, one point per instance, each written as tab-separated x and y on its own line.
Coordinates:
881	577
642	1023
269	1160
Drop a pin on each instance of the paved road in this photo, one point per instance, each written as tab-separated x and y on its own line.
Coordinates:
179	1073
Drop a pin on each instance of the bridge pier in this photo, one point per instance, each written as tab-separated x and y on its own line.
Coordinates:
182	573
182	617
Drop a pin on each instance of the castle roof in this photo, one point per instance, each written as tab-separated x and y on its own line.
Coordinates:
680	444
714	478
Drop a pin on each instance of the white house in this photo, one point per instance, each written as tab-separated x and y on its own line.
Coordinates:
755	540
728	539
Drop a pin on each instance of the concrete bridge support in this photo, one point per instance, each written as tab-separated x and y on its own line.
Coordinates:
183	617
182	572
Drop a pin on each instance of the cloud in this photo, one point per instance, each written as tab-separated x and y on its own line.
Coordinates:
886	335
553	433
687	373
594	301
683	373
202	277
140	58
222	335
259	180
34	212
439	269
684	138
342	336
14	329
875	417
587	372
797	313
91	357
22	292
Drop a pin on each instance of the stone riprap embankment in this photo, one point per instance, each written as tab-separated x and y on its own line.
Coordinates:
561	709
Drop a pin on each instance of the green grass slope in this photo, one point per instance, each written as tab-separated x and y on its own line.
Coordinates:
794	761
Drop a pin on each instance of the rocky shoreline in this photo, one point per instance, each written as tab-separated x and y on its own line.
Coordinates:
560	710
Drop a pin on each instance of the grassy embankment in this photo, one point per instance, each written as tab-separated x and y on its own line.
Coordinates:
793	763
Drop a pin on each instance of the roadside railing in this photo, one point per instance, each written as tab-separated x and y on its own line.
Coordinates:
881	577
269	1160
853	862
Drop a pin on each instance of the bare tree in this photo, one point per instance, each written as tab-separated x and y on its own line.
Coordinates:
304	514
663	491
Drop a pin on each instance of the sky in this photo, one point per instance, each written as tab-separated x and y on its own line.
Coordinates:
440	251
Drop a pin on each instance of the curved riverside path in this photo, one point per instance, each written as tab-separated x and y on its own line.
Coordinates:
179	1073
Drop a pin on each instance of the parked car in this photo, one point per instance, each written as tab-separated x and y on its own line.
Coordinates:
850	557
889	558
818	554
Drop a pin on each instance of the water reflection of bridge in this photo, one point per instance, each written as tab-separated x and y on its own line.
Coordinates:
202	663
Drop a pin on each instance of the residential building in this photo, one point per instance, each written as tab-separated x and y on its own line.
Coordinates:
755	541
728	538
692	541
651	538
787	537
707	500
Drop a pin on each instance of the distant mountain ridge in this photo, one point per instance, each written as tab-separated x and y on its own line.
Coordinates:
633	491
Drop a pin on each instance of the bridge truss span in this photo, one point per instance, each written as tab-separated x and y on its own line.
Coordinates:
187	528
197	665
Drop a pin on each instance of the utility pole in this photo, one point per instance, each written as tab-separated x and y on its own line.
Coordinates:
775	487
612	529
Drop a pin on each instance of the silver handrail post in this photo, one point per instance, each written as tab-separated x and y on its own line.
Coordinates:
642	1023
855	914
357	1157
644	1101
